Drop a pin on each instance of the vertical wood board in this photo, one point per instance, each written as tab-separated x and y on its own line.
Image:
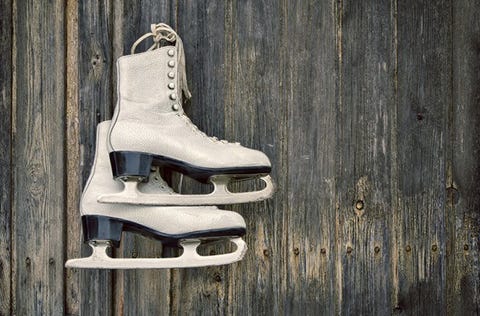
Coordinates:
255	116
5	157
309	90
201	25
95	27
463	274
73	187
424	93
38	138
366	93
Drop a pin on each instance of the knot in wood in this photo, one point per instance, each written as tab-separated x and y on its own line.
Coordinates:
452	195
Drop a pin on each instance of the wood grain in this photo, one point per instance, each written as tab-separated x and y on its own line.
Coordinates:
424	92
255	116
95	60
202	27
463	265
5	157
362	151
73	288
309	91
38	145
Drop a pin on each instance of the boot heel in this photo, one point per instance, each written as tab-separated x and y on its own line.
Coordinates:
128	164
102	228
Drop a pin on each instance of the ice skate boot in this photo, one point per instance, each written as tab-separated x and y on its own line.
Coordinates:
150	128
186	227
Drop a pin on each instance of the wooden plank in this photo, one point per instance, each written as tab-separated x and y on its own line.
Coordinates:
95	72
73	288
366	92
38	144
132	20
309	88
95	27
201	24
255	115
463	265
6	156
424	92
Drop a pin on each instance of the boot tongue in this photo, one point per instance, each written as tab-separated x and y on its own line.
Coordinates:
181	68
161	32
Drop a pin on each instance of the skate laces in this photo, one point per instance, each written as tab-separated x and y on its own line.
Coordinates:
197	130
161	32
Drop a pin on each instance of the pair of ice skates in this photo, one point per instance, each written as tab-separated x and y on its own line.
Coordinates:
149	131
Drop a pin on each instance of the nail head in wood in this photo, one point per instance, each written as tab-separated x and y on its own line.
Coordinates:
359	205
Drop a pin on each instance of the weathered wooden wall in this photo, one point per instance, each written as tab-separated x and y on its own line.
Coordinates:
369	111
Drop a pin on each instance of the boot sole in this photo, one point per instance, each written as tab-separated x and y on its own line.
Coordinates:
130	164
105	228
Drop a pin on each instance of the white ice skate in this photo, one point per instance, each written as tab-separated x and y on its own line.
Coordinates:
149	127
180	226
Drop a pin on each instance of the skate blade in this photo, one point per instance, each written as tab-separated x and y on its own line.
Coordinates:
220	195
189	259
